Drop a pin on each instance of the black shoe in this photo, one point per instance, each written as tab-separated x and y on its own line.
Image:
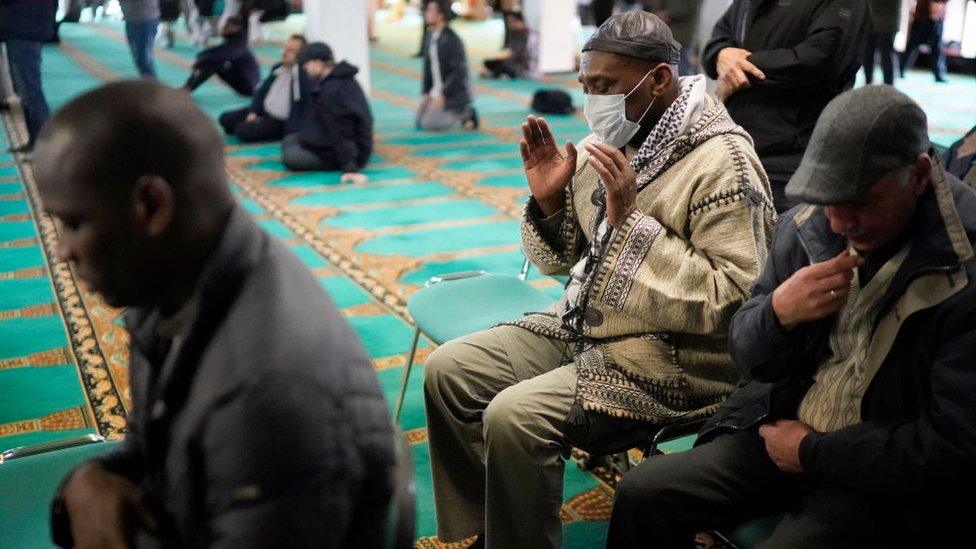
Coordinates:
472	123
940	80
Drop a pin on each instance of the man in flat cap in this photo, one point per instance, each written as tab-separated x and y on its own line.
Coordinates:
778	65
860	343
662	220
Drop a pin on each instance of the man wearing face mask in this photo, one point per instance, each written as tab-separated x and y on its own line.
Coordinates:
662	220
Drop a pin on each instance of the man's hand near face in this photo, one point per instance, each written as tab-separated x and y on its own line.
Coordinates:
104	508
547	170
619	179
815	291
734	69
783	440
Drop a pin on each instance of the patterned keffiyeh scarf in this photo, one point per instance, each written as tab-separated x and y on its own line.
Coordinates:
676	119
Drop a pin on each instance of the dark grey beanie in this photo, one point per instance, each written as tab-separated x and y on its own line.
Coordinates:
636	34
861	135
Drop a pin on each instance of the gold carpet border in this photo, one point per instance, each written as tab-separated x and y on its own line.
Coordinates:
105	408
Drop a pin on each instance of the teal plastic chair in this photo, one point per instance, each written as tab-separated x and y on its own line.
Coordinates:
458	304
29	477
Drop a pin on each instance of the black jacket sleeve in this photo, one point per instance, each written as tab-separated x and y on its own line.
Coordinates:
261	92
454	65
350	112
723	36
933	450
831	49
760	347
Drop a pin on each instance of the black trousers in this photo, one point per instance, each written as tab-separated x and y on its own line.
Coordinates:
263	128
731	480
297	158
925	32
228	72
883	44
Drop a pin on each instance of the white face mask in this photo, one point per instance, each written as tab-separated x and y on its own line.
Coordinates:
607	116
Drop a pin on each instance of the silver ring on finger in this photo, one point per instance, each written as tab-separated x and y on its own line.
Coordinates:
833	294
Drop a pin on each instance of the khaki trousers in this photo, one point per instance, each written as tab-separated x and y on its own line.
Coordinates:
497	403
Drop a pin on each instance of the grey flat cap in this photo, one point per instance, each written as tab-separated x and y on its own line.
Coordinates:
861	135
636	34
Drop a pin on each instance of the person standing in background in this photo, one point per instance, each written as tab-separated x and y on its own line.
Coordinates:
886	19
24	27
778	65
141	22
928	20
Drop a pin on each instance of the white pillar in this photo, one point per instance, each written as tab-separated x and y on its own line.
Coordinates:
342	25
553	24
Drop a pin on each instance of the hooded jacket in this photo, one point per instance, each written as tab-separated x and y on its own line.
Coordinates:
918	418
336	121
810	52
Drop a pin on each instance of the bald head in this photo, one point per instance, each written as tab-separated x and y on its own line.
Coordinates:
133	172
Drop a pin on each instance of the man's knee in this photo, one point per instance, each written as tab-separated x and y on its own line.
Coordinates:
507	422
441	370
646	486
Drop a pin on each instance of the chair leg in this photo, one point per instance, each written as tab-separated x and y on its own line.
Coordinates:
406	375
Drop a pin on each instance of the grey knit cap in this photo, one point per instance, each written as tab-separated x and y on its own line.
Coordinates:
861	135
636	34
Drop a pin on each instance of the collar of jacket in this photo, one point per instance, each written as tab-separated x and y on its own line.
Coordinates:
240	246
942	239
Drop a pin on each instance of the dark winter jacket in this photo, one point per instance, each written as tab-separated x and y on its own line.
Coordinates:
809	50
297	104
336	121
917	432
27	20
885	16
264	424
234	52
454	71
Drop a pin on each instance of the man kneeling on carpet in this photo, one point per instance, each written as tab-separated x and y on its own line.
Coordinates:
257	419
231	60
860	341
335	129
662	220
277	101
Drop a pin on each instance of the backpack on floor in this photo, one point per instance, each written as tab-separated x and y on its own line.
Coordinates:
552	101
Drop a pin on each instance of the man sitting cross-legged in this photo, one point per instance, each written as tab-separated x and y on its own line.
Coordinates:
662	220
277	103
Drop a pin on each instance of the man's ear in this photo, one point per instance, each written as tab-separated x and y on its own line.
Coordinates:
663	75
155	204
923	173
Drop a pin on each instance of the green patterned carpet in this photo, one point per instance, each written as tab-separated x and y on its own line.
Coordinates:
433	204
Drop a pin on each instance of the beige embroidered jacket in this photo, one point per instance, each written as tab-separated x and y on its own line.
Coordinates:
673	275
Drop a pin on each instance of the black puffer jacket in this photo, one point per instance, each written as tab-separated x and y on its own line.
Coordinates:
336	120
265	425
918	414
809	50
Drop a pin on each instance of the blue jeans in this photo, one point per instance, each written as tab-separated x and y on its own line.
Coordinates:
25	70
141	36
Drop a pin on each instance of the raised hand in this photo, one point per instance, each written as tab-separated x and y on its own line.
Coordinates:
816	291
547	169
619	179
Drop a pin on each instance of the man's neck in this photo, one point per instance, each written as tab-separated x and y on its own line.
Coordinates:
438	27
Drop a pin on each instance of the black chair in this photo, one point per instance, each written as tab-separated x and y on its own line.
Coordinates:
615	447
